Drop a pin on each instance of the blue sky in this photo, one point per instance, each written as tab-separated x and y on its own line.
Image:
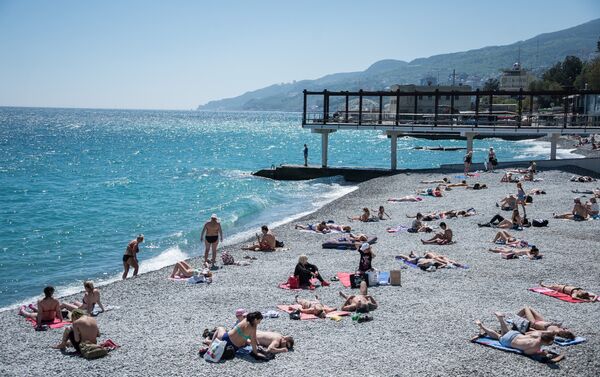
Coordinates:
179	54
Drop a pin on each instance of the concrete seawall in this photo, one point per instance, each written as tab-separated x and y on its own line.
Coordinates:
587	166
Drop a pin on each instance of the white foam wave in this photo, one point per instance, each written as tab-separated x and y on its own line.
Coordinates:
168	257
541	149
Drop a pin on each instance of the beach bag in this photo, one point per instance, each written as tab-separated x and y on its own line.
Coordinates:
372	278
355	280
278	243
295	315
538	223
528	199
215	351
294	282
227	258
92	351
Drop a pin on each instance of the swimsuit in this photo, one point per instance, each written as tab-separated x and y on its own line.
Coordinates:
212	239
126	257
506	339
227	340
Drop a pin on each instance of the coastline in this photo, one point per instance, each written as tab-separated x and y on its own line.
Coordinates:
430	317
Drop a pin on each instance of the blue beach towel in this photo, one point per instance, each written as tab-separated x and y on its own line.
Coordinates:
569	342
484	340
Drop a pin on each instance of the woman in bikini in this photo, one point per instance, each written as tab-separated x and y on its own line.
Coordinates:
366	215
521	197
381	213
408	198
91	297
47	310
573	291
468	161
242	333
511	252
130	256
500	222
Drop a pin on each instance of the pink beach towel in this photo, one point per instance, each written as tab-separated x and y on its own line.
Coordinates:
559	295
344	278
304	316
56	324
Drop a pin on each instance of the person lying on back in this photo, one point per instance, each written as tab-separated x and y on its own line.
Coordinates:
274	342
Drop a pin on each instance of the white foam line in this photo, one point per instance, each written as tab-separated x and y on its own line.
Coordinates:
539	148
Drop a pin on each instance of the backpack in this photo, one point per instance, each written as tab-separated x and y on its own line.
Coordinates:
538	223
278	243
229	353
215	351
528	199
294	282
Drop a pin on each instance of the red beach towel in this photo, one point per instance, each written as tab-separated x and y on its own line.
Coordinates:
304	316
285	285
555	294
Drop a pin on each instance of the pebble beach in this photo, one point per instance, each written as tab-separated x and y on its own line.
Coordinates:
420	328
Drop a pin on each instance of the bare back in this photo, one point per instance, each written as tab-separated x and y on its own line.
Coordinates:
86	329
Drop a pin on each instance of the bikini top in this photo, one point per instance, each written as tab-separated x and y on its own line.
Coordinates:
241	333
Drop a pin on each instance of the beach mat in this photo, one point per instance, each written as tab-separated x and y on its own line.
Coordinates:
462	176
559	295
569	342
344	278
56	324
489	342
313	285
398	229
304	316
344	243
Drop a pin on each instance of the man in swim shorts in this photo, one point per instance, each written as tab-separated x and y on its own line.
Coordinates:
211	233
130	256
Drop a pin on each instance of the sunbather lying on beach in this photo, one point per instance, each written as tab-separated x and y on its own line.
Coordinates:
381	213
446	214
499	221
508	203
461	184
528	319
578	213
571	290
84	329
443	180
511	252
504	237
537	191
184	270
508	178
264	242
530	344
90	298
408	198
314	307
361	303
340	228
46	311
274	342
436	191
321	227
477	186
582	178
430	261
442	238
365	216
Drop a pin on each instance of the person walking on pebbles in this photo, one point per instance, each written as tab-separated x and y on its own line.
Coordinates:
130	256
211	234
305	155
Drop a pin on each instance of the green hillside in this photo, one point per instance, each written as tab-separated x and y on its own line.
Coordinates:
536	53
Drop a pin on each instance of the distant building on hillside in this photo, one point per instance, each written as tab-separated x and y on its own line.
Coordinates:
515	78
426	103
428	80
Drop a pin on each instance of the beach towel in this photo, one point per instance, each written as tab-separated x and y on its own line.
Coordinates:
56	324
398	229
559	295
344	278
397	200
489	342
569	342
462	176
286	285
331	231
109	345
344	243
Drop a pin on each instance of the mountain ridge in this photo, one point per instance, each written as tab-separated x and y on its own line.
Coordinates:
542	50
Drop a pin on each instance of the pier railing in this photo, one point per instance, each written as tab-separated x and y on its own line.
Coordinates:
385	110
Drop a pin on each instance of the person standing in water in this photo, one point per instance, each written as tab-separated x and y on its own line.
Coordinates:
305	155
130	256
211	233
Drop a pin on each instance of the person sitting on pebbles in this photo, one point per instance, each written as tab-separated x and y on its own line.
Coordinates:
47	310
531	343
364	217
361	303
274	342
84	329
306	271
442	238
90	298
265	241
578	213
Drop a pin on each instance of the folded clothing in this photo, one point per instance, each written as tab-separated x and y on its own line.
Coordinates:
344	243
559	295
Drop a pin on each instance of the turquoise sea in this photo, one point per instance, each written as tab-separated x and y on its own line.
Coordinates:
77	184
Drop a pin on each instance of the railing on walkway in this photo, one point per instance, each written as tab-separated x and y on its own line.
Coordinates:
317	109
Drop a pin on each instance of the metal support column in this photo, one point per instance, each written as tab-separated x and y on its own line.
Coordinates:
553	142
394	154
324	145
380	110
477	108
